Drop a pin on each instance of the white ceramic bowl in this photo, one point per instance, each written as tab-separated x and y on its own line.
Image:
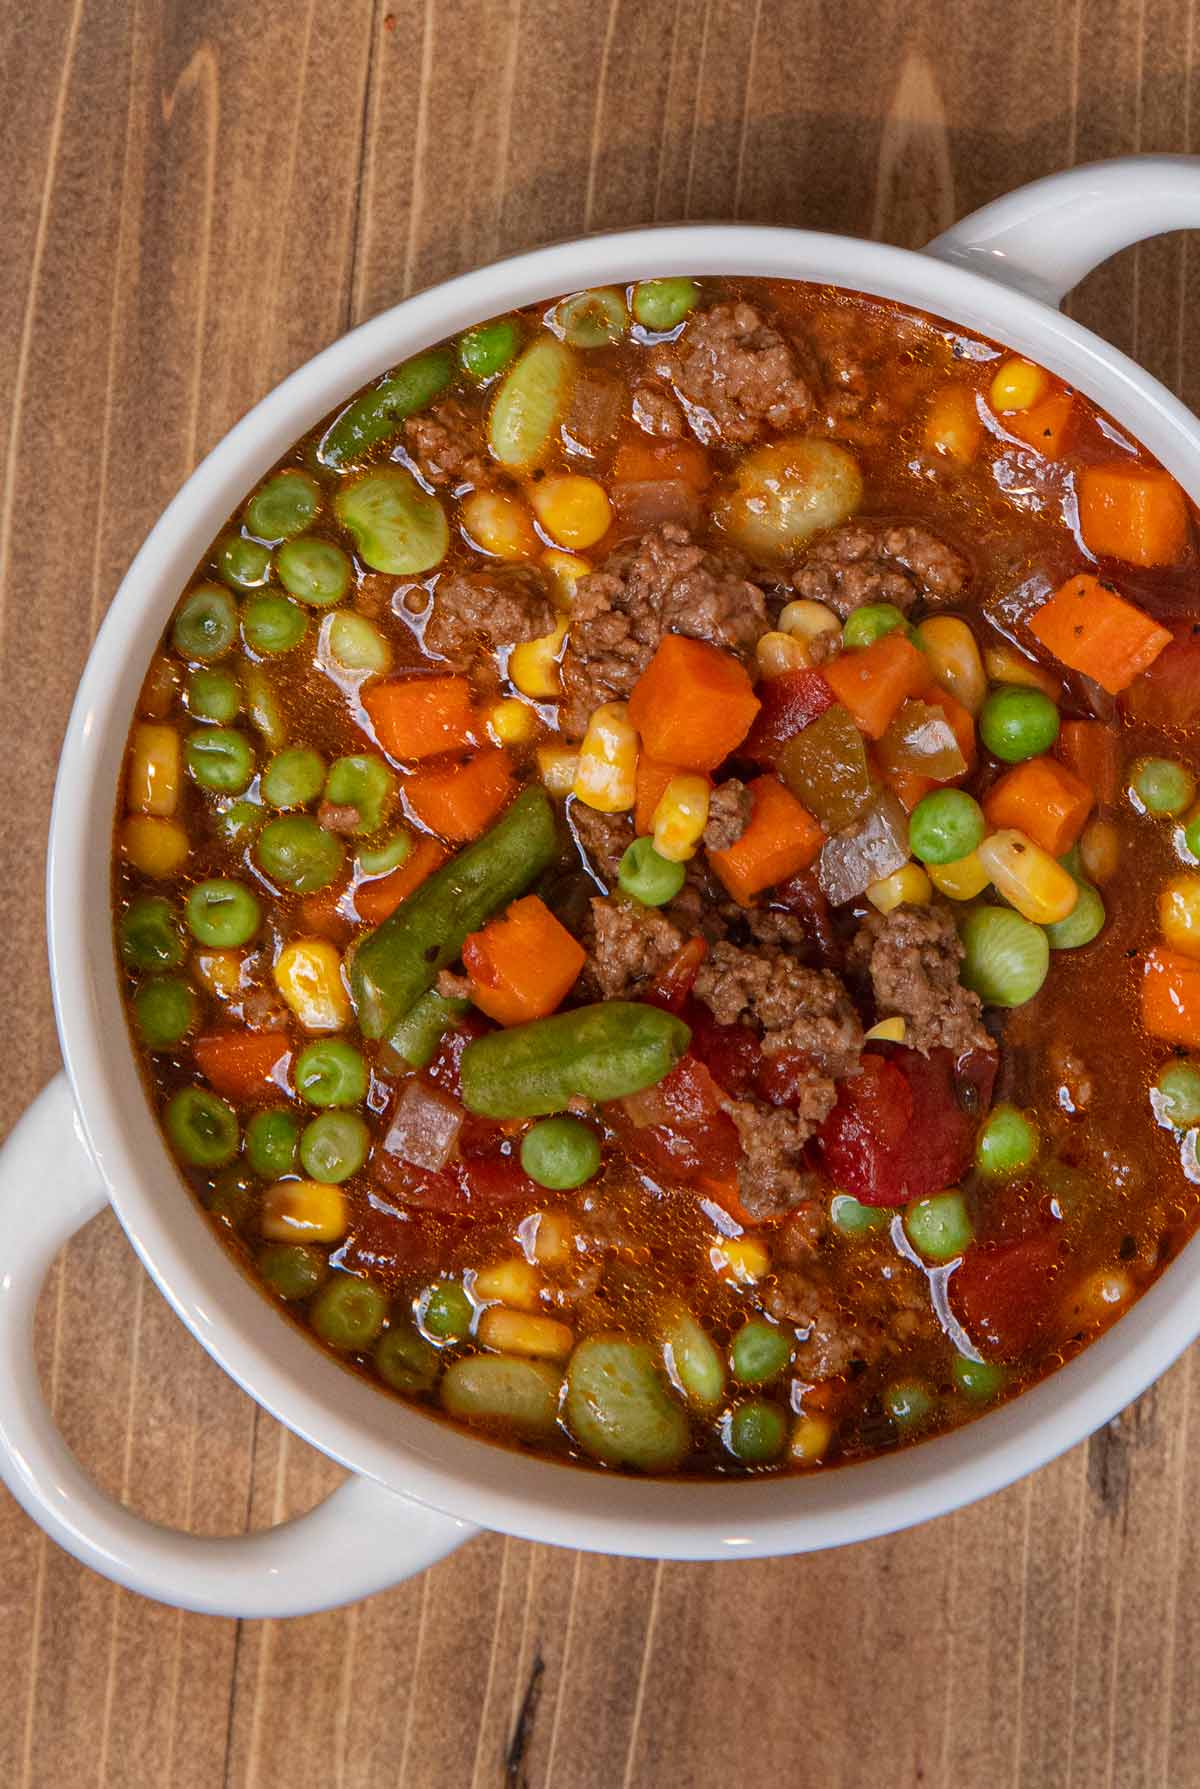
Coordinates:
419	1486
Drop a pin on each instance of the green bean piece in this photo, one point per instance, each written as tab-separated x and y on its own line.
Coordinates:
647	877
334	1146
262	706
1007	1143
292	1269
220	759
398	527
865	625
1007	957
404	1359
945	826
238	822
1175	1095
213	696
445	1312
1162	787
286	504
503	1392
488	348
1016	723
939	1227
380	860
618	1406
165	1011
271	1142
560	1153
601	1052
148	934
205	625
293	778
590	319
315	571
229	1198
414	1041
365	783
330	1072
756	1432
850	1218
759	1352
246	564
661	305
272	624
909	1403
979	1381
403	957
201	1127
222	913
348	1313
298	854
1084	922
380	413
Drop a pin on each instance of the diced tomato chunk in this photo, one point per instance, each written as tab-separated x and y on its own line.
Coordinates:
731	1053
1001	1293
898	1131
789	702
1168	694
672	987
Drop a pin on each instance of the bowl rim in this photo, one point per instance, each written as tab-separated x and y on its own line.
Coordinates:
332	1408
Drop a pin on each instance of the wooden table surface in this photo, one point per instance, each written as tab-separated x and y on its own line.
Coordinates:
196	197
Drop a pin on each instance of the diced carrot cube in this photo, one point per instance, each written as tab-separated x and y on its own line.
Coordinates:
781	839
1042	799
458	803
418	717
693	704
375	900
1093	751
1171	997
1089	627
1134	513
873	682
244	1066
522	965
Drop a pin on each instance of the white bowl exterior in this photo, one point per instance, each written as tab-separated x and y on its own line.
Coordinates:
328	1406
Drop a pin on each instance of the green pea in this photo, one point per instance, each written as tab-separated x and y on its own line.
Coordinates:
560	1153
205	625
1191	836
271	1142
202	1128
1006	957
445	1311
314	570
849	1218
292	1269
379	860
946	825
213	696
293	778
1007	1143
285	505
272	624
334	1146
870	623
1084	922
909	1403
230	1198
1161	786
165	1011
1017	723
939	1227
590	319
238	822
759	1352
660	305
756	1431
246	564
331	1072
148	934
1175	1096
488	348
348	1312
220	759
222	914
979	1381
363	782
405	1360
649	878
298	854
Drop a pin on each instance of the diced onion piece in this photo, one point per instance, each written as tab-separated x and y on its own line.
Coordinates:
784	493
921	741
875	847
425	1128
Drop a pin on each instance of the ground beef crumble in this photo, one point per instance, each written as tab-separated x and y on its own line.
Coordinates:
491	608
656	412
912	957
800	1010
729	809
737	374
627	946
447	445
602	838
880	562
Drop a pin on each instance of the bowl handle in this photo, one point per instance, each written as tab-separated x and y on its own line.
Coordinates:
1045	237
361	1539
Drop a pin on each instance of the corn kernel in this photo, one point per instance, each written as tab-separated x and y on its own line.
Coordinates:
1179	914
961	880
510	722
811	1437
308	973
152	785
573	510
303	1211
888	1031
499	523
558	766
779	652
1100	1296
159	690
909	886
1100	849
353	643
1028	877
952	425
219	971
607	775
1017	385
155	846
804	619
954	659
743	1258
553	1238
680	817
1004	664
513	1282
515	1332
564	571
533	665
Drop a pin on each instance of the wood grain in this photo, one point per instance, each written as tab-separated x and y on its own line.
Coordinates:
196	198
